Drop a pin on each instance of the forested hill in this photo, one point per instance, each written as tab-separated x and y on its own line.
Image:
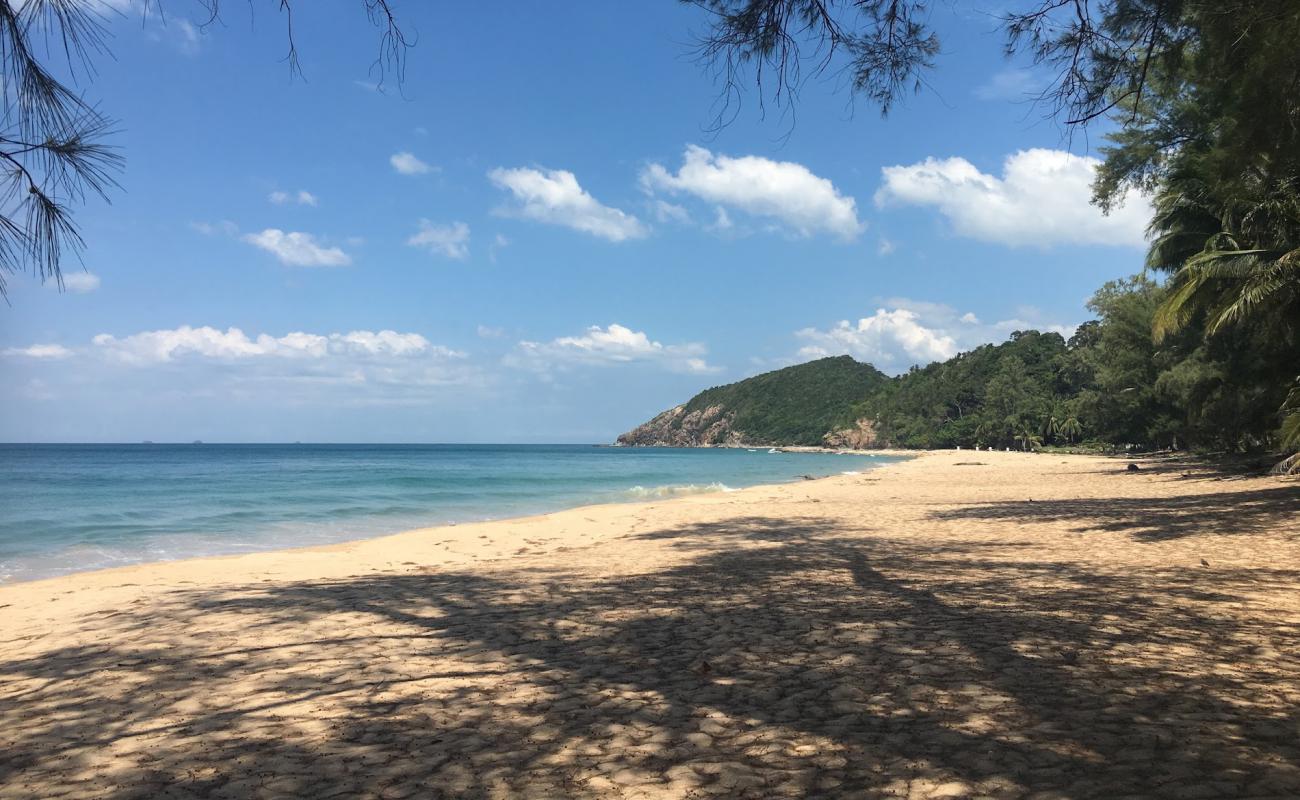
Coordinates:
796	405
1110	384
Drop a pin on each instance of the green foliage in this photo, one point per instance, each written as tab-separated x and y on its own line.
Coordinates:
795	405
1111	383
1291	430
1216	140
995	395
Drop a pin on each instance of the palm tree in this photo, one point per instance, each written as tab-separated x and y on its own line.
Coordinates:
1291	431
1235	258
1246	268
1050	429
988	432
1027	438
1071	429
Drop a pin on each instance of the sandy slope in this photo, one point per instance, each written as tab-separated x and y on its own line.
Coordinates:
1022	626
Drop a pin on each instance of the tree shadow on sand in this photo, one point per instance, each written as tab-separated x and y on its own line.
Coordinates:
778	658
1154	519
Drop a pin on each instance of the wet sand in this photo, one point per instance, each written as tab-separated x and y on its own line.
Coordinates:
960	625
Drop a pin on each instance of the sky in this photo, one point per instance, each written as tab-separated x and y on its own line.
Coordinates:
538	236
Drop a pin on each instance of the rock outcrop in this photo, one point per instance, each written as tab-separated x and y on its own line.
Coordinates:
860	436
677	427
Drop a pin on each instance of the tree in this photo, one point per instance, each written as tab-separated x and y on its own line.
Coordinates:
1101	51
54	145
1291	431
1217	141
1071	429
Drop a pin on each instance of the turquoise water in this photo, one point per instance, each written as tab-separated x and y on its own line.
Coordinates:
68	508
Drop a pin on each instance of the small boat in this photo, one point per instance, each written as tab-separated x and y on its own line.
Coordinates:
773	450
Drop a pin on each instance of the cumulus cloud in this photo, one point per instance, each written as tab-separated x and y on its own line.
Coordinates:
554	196
38	351
1043	198
450	240
298	249
232	344
609	346
80	282
882	339
782	191
408	164
905	332
302	197
365	367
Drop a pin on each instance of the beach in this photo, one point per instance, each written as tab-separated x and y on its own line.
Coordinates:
961	624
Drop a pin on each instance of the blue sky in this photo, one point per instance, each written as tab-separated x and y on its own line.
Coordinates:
536	238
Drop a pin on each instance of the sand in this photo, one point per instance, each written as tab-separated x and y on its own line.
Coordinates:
961	625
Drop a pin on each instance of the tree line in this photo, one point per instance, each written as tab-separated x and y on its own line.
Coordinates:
1202	102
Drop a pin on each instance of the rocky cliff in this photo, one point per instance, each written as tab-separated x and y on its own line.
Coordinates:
678	427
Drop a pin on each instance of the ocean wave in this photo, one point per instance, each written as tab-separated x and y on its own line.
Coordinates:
677	490
850	472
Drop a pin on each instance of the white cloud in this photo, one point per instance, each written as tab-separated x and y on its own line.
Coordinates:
408	164
1043	198
298	249
188	37
665	211
302	197
554	196
787	192
1010	84
609	346
232	344
80	282
905	332
881	339
489	332
40	351
721	221
450	240
382	367
885	247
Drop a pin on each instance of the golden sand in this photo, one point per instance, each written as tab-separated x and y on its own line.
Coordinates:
960	625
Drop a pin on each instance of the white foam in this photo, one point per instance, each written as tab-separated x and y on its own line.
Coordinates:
678	490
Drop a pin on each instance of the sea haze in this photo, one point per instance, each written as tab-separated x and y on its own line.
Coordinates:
69	508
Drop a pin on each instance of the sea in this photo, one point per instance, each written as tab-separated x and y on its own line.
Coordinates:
73	507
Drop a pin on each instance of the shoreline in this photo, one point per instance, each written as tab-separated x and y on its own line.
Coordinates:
949	626
396	536
374	527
